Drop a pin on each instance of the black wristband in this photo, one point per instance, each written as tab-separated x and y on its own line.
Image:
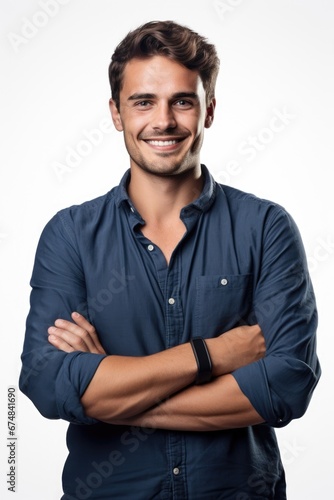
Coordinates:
203	360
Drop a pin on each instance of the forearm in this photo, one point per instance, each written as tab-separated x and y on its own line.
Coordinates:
218	405
126	386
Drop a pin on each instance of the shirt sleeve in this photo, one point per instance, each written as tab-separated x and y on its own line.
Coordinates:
52	379
280	385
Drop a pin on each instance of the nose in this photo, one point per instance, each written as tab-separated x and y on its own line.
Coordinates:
163	118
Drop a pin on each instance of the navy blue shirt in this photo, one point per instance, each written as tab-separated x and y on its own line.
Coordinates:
241	261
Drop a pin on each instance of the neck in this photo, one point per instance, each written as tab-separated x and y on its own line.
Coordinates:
161	198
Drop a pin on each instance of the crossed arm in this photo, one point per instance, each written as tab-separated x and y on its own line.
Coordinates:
157	390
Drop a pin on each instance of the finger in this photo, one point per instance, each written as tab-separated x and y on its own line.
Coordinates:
60	344
73	335
76	336
83	323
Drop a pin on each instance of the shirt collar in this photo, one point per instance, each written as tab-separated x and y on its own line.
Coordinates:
202	203
208	194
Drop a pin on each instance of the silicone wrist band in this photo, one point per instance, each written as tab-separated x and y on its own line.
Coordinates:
203	360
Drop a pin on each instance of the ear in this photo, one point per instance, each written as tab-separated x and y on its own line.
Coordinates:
115	115
210	112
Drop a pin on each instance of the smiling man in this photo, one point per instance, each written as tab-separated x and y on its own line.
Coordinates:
172	321
164	121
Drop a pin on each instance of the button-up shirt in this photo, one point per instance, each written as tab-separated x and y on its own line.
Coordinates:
240	261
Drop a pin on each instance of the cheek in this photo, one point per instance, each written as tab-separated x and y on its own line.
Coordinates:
135	126
199	129
196	122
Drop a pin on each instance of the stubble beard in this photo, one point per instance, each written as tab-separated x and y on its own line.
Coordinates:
174	167
165	168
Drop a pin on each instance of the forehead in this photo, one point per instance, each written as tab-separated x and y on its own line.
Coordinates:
159	74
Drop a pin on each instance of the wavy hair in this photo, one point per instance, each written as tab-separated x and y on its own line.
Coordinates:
169	39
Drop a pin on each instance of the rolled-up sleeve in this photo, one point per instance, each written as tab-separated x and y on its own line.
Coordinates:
280	385
52	379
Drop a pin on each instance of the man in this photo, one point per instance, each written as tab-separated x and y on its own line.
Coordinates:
172	320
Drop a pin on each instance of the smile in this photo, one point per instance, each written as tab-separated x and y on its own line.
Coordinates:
163	143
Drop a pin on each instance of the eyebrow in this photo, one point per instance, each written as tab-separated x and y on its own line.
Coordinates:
178	95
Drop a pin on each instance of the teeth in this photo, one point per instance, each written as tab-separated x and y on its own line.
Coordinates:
162	143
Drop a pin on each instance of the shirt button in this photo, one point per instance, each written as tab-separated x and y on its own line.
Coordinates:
176	471
132	209
171	301
224	281
150	248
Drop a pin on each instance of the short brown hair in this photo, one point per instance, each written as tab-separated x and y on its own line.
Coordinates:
171	40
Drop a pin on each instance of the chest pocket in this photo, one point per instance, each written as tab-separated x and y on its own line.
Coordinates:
222	302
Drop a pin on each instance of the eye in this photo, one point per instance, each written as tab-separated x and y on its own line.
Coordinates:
183	103
143	104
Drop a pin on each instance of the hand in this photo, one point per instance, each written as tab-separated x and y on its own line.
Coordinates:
77	336
236	348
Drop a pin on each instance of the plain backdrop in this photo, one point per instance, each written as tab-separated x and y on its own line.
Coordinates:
58	148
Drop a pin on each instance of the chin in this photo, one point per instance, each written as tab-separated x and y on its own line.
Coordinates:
170	171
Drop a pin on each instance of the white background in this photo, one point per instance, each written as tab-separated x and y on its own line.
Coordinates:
276	56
